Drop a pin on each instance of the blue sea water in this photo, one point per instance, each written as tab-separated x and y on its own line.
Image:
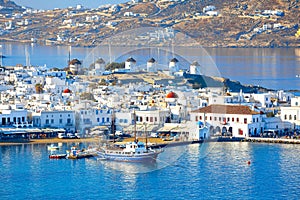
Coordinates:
206	171
270	68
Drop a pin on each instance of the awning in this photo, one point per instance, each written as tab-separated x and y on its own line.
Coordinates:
141	127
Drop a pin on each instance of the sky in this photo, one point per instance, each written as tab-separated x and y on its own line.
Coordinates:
46	4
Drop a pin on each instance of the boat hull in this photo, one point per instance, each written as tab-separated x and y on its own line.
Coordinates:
148	157
58	156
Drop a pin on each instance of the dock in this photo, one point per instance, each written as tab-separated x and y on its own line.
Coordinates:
272	140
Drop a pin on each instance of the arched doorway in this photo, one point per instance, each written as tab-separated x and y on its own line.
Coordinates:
224	131
218	130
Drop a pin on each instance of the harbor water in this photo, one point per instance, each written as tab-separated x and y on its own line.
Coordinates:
266	67
236	170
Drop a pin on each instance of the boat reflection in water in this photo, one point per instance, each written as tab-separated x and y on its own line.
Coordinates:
130	167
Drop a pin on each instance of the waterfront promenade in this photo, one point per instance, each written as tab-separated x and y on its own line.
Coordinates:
272	140
154	141
49	140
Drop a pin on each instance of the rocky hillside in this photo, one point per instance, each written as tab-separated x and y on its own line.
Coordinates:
8	7
212	23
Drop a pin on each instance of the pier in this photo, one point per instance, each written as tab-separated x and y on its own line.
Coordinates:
272	140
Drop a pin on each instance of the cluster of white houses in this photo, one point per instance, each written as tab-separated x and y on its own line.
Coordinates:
175	110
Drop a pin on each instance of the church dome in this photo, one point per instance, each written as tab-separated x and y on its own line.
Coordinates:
171	95
67	91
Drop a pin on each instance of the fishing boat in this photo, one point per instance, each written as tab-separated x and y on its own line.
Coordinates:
135	151
57	156
75	153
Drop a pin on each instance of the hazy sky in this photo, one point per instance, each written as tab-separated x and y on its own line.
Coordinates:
46	4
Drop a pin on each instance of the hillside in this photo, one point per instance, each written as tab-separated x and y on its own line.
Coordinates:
212	23
8	7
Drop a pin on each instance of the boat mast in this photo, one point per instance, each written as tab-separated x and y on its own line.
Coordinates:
134	118
113	125
146	135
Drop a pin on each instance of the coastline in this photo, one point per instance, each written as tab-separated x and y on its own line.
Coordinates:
50	140
154	141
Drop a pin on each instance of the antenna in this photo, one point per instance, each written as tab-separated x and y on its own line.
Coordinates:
134	118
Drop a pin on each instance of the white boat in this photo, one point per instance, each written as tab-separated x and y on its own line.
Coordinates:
133	152
52	147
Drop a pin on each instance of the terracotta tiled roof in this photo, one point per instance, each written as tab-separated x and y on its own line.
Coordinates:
227	109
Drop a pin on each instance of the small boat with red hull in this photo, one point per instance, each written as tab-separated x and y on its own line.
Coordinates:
57	156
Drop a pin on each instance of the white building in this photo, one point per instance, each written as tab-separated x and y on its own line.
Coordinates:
55	119
13	115
235	120
130	64
195	68
264	99
173	65
292	114
151	65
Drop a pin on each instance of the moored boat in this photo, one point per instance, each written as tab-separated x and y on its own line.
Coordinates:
52	147
75	153
57	156
133	152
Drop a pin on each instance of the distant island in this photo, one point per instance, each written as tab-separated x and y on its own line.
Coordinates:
210	23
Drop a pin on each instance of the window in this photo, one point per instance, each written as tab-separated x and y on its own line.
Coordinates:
96	112
103	120
98	119
68	120
196	118
147	119
210	118
245	120
60	121
47	121
295	117
155	119
220	119
232	119
285	117
125	121
237	119
107	119
52	121
151	119
215	118
200	118
228	119
290	117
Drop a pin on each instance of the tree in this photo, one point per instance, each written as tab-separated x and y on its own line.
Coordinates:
115	65
38	88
